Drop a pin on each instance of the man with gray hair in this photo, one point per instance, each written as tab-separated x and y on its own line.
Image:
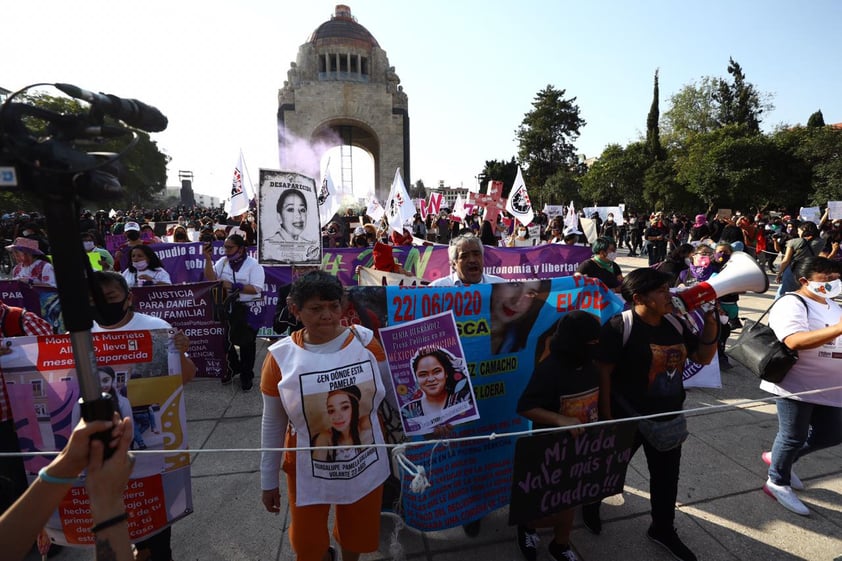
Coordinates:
467	259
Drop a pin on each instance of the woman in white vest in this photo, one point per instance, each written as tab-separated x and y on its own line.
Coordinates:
302	375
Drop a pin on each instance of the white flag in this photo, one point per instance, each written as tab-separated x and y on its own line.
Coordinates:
374	210
399	207
238	202
570	219
328	198
518	204
459	209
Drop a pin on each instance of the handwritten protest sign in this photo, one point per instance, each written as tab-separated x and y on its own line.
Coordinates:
557	471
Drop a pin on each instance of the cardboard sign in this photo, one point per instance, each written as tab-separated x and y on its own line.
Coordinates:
554	472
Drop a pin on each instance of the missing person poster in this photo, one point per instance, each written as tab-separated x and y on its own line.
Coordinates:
331	400
429	373
289	230
140	370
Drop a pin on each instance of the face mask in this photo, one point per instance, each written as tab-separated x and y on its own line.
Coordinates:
609	219
110	313
688	261
141	265
721	257
612	256
701	260
830	289
89	246
521	232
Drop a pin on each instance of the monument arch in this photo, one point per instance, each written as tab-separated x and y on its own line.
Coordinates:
342	82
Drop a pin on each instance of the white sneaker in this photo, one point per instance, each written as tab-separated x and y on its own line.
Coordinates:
784	495
794	481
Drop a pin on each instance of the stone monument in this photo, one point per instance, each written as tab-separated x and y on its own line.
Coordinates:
342	90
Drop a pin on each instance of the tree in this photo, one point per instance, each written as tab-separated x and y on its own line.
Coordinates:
560	188
417	190
816	119
692	111
617	176
145	165
739	102
817	165
546	135
735	168
653	135
500	170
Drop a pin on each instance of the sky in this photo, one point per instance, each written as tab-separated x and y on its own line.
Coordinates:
470	68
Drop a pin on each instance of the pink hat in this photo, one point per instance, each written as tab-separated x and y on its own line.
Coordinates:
26	245
701	219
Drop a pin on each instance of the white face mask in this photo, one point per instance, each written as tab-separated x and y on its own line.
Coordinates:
612	256
141	265
521	232
88	245
829	289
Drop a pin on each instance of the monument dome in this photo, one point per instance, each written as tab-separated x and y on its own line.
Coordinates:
342	91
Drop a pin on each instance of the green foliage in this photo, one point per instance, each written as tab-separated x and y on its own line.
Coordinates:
560	188
733	167
817	156
653	135
739	101
617	176
546	136
816	119
692	111
417	190
499	170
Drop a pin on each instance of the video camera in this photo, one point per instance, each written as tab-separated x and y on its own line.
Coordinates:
37	141
46	149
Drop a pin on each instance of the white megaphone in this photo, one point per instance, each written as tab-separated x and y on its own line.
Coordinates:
740	274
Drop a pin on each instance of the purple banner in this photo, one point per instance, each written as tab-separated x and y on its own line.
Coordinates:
189	307
185	262
21	295
39	300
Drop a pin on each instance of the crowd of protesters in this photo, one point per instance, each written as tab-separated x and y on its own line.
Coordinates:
679	250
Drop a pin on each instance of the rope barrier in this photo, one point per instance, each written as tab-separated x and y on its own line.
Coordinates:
698	411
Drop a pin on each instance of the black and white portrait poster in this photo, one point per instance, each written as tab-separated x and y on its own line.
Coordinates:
288	228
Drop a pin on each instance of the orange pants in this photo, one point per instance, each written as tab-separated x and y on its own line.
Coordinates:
357	526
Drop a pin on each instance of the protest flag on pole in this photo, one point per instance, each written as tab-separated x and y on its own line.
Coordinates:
518	204
375	209
328	198
399	207
238	202
570	219
459	210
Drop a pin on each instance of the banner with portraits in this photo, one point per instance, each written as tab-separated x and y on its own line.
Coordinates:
288	208
141	371
504	330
